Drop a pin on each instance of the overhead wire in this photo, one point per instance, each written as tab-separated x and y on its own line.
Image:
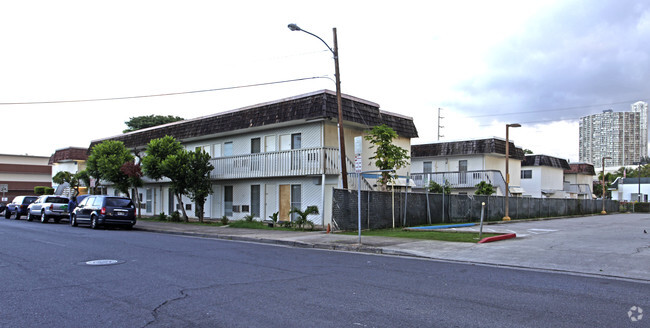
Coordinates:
162	94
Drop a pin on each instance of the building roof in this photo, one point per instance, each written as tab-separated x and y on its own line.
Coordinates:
467	147
316	105
545	160
580	168
69	154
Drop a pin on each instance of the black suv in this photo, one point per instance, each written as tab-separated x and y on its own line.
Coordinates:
19	206
101	210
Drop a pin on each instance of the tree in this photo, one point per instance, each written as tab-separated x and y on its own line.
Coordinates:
436	188
84	177
302	220
134	178
484	188
199	186
528	152
105	162
62	177
165	157
142	122
387	155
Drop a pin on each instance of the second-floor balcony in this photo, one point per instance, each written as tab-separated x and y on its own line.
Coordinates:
461	179
296	162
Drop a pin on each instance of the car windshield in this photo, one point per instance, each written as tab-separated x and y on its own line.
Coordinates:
57	200
118	202
29	199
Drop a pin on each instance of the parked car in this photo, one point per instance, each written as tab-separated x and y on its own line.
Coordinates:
2	207
19	206
48	207
102	210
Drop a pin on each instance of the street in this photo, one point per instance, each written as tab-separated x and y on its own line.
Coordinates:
162	280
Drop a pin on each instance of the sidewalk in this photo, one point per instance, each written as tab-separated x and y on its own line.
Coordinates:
610	246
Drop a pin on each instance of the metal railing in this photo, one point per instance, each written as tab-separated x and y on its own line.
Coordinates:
577	188
296	162
458	179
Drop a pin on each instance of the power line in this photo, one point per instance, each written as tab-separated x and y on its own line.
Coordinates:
542	121
559	109
162	94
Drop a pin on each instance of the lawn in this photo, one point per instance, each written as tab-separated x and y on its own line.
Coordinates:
466	237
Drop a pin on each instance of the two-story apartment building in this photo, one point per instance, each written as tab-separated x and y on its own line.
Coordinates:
578	180
542	176
271	157
70	159
21	173
465	163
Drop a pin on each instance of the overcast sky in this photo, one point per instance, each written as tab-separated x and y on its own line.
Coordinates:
539	63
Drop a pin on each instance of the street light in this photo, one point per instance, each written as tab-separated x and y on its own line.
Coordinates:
335	52
603	184
514	125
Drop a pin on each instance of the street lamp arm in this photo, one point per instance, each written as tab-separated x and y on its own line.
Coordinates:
295	27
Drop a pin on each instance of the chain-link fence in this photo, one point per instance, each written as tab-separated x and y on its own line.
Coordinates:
385	209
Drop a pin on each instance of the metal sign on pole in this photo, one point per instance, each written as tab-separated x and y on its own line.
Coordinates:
4	188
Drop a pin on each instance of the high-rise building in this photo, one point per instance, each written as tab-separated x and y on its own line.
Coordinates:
623	136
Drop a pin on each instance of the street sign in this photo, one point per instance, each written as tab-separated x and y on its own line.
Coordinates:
4	187
358	164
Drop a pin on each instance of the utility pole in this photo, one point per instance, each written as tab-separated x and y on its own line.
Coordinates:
439	126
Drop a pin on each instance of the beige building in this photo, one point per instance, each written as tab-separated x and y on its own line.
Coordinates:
21	173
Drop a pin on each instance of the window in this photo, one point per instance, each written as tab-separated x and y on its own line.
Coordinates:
227	200
462	168
149	201
255	200
188	207
217	150
526	174
296	199
427	167
227	148
256	145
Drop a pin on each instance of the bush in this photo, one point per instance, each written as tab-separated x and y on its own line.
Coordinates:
435	188
249	218
274	217
39	190
224	220
175	217
49	191
484	188
161	217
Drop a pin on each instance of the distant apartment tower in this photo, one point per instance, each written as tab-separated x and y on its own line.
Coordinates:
623	136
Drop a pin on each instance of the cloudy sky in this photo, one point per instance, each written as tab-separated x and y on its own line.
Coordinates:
539	63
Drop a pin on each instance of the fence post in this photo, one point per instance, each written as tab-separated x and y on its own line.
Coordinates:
480	232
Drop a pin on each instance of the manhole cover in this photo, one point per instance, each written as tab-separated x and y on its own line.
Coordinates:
103	262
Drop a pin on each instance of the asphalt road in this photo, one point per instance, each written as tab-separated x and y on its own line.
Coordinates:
165	280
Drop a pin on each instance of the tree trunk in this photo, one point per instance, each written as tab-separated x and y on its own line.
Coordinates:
137	197
199	211
180	201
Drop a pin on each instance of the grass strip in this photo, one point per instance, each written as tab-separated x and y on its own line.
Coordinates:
465	237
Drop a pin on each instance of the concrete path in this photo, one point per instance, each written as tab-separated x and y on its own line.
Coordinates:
610	245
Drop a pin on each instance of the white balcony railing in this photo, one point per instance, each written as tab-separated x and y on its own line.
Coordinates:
297	162
464	179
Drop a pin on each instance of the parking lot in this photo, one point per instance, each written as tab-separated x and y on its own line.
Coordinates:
610	245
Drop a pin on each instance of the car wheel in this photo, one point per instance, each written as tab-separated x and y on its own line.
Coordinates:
44	218
93	222
30	217
73	221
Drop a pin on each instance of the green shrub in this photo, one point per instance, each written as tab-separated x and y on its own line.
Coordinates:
224	220
274	217
49	191
249	218
435	188
161	217
175	217
39	190
484	188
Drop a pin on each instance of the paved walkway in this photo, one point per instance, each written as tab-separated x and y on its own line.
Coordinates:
611	245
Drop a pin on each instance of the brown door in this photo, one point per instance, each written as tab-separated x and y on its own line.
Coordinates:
285	202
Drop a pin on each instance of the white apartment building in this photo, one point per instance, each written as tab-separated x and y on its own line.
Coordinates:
463	164
623	136
271	157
